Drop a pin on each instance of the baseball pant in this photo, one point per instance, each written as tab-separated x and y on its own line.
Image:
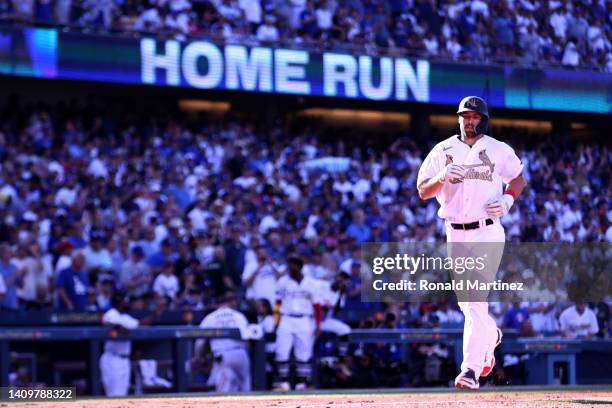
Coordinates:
338	327
233	371
480	330
115	372
296	333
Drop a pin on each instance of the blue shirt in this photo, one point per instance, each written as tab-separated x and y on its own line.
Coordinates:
515	318
10	297
75	285
361	233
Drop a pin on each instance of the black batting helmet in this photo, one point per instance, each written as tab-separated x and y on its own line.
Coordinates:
478	105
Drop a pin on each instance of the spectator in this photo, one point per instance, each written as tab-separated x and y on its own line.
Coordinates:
558	22
504	34
37	278
324	14
516	316
12	276
308	21
150	20
24	10
166	283
571	56
431	44
97	13
578	321
216	272
447	315
267	32
96	256
252	13
259	277
358	229
73	285
596	38
135	275
453	48
104	295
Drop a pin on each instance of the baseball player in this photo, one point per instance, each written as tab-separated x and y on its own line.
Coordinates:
466	174
231	370
332	299
298	312
115	365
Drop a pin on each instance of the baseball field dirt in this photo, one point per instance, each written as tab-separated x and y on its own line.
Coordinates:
490	397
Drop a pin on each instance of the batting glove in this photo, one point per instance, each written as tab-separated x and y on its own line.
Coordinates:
500	207
453	173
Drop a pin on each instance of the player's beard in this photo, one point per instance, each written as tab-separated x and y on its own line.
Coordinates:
469	133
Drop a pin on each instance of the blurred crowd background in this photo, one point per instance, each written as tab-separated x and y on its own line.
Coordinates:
570	33
177	210
168	208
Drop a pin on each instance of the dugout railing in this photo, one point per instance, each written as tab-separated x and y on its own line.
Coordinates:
546	353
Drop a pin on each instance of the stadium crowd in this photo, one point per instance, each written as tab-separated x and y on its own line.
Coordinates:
573	33
175	211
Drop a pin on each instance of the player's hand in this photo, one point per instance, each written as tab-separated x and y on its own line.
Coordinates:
453	173
499	207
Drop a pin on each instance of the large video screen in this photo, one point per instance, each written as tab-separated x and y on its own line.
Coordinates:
47	53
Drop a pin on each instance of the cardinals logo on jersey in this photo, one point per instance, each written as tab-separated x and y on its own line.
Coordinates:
485	162
484	157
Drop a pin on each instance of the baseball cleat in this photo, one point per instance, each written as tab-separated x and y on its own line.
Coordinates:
488	368
467	380
282	387
302	387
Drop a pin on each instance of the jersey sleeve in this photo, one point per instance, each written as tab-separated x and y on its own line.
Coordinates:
242	324
512	165
2	286
563	323
318	292
327	297
119	319
593	325
430	166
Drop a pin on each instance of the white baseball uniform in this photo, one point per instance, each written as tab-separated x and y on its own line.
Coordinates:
489	163
574	324
115	364
296	328
330	299
232	367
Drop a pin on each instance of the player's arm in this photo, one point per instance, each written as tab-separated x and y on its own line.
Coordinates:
429	188
502	206
593	326
516	186
431	177
276	314
318	315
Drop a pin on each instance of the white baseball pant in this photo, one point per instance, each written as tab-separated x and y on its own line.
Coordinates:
480	330
115	372
233	371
